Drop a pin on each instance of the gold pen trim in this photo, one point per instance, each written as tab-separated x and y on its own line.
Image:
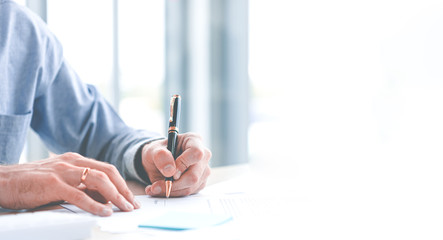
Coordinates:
173	128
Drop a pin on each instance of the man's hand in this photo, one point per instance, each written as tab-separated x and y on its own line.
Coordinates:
190	170
59	179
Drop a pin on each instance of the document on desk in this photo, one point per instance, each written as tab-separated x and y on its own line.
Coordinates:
235	205
251	213
227	208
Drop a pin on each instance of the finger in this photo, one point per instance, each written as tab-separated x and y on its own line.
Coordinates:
194	152
113	175
83	201
95	195
157	189
182	188
70	173
188	191
164	161
190	178
99	181
187	184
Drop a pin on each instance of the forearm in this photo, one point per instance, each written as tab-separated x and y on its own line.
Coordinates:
87	125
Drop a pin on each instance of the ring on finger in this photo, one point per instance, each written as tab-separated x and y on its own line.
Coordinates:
84	174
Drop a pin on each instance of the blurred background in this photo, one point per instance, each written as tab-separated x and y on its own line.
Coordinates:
319	89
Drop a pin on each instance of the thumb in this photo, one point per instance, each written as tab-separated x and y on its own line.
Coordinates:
164	162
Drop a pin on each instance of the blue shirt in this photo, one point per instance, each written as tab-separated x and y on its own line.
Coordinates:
39	89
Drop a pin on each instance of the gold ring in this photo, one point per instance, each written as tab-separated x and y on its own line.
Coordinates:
84	174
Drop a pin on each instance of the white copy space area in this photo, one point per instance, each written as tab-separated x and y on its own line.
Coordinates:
358	118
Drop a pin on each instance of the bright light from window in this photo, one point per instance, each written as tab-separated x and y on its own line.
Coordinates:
142	63
85	29
340	81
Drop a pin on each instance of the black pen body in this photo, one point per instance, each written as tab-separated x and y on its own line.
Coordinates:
172	146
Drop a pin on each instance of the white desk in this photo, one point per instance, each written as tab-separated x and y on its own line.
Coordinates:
325	202
218	175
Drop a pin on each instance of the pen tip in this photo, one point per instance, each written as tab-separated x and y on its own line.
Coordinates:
168	188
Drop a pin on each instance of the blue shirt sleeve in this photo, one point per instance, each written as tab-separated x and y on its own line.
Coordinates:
67	114
73	116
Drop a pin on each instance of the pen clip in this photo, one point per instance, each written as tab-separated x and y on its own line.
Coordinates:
174	105
171	109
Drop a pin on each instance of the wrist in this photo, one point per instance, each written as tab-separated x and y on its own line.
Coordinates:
138	165
3	184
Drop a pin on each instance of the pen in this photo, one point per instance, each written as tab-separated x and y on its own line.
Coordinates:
174	117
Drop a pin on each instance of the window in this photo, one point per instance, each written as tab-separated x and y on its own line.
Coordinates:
86	30
118	46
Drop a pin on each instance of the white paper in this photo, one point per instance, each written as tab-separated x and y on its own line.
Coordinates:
241	206
251	211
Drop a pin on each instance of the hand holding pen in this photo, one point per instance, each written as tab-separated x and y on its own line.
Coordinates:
186	165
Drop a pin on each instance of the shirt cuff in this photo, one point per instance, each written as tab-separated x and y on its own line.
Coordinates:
129	158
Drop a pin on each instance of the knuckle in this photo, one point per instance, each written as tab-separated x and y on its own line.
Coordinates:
182	165
115	197
61	165
194	135
193	179
111	169
101	176
70	156
52	178
198	153
77	197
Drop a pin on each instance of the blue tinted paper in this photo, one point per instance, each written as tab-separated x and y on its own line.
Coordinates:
185	221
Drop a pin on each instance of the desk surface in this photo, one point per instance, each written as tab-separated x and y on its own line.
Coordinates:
321	207
218	174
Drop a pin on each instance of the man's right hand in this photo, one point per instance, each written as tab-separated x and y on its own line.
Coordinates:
58	178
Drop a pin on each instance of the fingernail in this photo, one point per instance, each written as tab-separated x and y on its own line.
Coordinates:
106	212
129	206
148	189
168	168
157	190
137	203
177	175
